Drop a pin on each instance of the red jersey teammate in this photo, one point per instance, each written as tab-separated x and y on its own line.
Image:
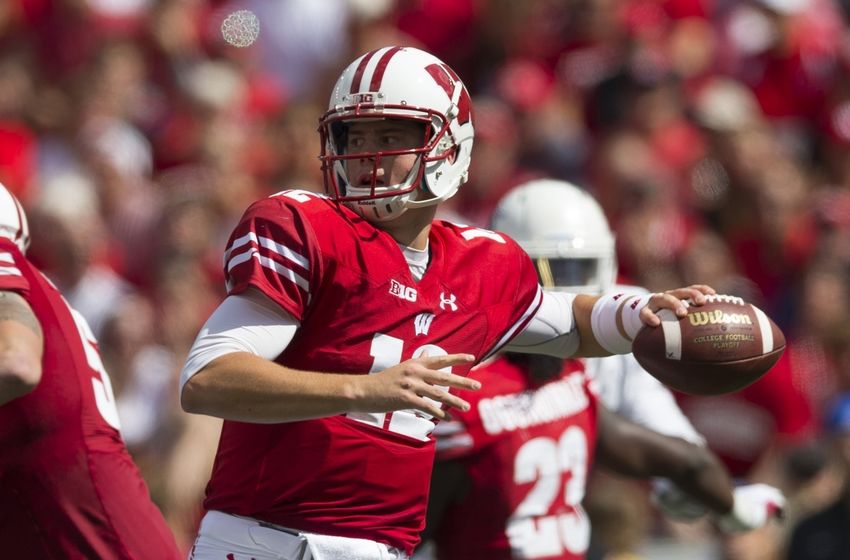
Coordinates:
523	451
68	488
316	457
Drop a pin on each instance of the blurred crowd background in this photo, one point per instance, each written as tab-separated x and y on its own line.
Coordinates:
715	133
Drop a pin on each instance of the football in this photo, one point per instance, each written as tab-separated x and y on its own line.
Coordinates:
717	348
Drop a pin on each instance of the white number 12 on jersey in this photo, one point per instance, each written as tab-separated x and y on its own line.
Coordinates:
386	352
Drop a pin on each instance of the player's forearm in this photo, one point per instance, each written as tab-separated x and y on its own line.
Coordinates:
244	387
705	479
633	450
588	345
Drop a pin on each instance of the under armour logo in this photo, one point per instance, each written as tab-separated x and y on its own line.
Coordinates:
450	301
422	323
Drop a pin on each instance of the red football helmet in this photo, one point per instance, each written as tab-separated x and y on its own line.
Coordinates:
399	83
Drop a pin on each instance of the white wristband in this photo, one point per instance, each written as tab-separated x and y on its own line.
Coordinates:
615	320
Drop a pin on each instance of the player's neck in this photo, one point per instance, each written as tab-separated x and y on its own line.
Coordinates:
411	229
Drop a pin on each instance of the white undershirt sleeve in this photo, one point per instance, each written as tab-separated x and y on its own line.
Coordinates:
551	331
242	323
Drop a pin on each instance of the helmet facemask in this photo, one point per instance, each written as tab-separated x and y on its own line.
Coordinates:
367	193
586	275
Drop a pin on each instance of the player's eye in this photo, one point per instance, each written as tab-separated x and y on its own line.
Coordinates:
355	143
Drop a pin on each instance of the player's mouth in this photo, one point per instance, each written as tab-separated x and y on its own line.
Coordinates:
367	179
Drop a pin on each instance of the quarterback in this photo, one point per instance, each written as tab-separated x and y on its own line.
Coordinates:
350	314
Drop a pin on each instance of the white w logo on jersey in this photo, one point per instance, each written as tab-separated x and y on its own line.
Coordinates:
422	323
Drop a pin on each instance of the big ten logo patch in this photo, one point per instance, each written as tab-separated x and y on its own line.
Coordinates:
401	291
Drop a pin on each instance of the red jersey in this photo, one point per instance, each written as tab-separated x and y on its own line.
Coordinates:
68	488
361	311
527	452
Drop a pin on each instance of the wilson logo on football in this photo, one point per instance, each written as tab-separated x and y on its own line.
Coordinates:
699	318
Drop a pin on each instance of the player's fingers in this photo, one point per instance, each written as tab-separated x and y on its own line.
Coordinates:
657	302
704	288
695	293
443	396
448	360
446	379
428	407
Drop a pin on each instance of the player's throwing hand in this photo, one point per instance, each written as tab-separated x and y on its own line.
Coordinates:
674	301
417	383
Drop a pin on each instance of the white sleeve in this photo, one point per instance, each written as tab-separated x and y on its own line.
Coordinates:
551	331
628	390
242	323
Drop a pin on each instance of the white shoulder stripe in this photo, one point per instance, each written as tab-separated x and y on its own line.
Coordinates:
240	258
6	257
284	272
288	253
271	264
269	244
238	242
9	271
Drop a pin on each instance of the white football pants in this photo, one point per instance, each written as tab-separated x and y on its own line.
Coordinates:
222	535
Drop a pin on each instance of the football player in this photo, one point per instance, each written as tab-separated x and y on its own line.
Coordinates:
523	451
348	315
68	487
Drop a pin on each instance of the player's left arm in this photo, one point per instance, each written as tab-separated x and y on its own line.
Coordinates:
567	325
607	324
630	449
21	347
